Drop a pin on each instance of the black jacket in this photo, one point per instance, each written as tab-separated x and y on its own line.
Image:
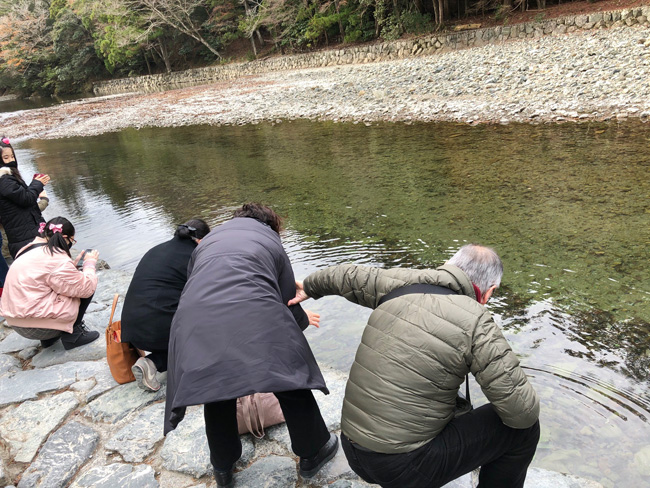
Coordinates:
153	294
233	333
19	210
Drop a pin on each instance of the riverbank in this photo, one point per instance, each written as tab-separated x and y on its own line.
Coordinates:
595	75
65	422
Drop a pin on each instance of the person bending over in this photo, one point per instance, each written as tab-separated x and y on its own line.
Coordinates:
233	335
152	299
399	427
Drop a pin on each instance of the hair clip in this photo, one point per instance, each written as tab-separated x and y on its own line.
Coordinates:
5	140
41	227
56	228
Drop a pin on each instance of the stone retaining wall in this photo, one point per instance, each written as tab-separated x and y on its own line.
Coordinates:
385	51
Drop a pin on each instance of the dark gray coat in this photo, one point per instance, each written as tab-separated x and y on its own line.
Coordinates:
233	333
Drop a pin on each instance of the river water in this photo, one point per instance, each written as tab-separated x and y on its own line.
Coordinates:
566	206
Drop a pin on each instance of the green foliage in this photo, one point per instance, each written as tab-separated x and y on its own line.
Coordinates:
416	23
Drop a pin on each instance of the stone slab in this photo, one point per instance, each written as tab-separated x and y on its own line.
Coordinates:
121	401
137	439
186	448
25	427
118	475
14	343
61	457
103	382
8	364
26	385
268	472
56	354
542	478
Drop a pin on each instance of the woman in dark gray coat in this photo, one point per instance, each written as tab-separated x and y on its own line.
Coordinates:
233	335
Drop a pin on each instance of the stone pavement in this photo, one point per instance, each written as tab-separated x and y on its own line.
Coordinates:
64	421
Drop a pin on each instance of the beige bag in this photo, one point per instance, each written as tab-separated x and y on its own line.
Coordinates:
257	411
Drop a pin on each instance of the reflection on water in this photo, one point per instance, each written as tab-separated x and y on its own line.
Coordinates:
565	206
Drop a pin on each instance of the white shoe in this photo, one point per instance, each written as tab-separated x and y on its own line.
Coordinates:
145	374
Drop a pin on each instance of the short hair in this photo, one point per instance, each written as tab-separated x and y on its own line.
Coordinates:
481	264
261	213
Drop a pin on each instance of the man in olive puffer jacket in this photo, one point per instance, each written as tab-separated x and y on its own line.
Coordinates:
398	425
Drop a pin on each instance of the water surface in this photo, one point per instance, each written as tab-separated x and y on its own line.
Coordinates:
566	206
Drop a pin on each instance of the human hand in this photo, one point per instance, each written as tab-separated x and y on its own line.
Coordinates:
43	194
314	318
94	254
301	296
78	258
45	179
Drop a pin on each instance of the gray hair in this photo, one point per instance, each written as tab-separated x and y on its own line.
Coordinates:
481	264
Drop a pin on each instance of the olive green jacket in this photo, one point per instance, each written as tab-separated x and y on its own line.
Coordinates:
415	353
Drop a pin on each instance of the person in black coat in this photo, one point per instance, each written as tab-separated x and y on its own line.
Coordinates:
153	296
234	335
19	210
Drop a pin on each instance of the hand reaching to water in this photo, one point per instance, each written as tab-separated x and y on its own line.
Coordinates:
314	318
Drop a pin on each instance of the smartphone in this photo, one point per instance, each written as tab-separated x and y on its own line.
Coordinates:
80	264
38	175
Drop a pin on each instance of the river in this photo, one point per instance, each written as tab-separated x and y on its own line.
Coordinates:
566	206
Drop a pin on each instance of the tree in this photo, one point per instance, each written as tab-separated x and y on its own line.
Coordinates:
180	15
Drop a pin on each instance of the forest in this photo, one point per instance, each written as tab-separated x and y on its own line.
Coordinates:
56	47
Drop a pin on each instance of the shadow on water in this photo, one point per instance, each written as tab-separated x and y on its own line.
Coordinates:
565	206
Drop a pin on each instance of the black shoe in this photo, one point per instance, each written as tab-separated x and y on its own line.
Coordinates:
310	466
49	342
224	478
80	336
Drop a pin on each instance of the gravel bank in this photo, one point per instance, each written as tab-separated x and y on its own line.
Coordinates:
591	75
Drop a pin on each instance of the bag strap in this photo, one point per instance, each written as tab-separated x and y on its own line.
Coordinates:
115	298
424	288
251	412
29	248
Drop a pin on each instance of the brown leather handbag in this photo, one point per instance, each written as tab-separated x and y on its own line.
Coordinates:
257	411
119	355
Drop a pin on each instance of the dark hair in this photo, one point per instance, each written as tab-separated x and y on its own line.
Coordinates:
55	240
14	171
192	229
262	213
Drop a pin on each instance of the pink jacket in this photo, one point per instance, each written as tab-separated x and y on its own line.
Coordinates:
43	290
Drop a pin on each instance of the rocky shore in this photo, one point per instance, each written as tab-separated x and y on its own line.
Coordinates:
65	422
594	75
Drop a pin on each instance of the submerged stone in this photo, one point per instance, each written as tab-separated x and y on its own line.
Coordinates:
61	457
118	475
25	427
136	440
268	472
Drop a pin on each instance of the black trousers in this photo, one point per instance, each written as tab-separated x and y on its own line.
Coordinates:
478	438
307	429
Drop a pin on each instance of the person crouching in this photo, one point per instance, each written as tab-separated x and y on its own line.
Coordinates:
45	295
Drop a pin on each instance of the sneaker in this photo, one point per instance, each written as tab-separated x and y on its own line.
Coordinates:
80	336
224	478
310	466
145	374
